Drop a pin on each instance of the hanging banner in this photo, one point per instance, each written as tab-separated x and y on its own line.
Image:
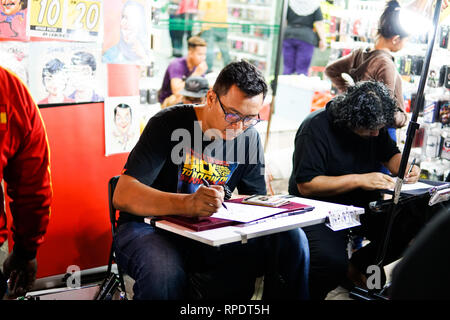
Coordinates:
77	20
14	19
66	72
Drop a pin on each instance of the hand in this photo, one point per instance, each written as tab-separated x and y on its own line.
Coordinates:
413	176
201	69
376	181
21	274
205	201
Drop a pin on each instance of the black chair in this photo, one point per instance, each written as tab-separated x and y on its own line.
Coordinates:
112	218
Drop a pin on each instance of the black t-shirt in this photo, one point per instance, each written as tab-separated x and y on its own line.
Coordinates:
173	155
324	150
301	27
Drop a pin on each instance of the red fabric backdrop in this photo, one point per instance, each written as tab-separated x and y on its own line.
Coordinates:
79	231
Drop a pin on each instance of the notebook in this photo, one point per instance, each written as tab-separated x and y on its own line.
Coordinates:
201	223
256	213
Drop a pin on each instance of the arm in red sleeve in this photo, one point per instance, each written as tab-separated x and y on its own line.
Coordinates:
27	173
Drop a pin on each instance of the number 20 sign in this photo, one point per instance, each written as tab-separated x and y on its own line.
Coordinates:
67	19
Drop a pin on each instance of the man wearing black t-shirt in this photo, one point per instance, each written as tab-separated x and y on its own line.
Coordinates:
163	175
337	157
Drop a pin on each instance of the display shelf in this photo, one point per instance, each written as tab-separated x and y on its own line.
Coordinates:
246	55
254	32
249	6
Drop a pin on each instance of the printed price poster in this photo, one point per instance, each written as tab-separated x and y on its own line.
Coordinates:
47	18
14	57
84	20
14	19
78	20
66	72
122	124
126	32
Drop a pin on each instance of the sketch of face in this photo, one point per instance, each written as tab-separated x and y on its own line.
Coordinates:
122	119
82	77
55	83
129	24
11	7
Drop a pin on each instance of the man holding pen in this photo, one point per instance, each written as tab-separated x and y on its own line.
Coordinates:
337	156
181	148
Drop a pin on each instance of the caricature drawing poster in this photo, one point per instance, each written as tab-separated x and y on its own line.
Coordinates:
14	19
122	115
68	72
126	32
14	57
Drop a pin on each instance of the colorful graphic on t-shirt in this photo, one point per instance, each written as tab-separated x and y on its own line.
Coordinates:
197	167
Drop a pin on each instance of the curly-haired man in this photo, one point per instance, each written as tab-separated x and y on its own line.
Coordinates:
338	153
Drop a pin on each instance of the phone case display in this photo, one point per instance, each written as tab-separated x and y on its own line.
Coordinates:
253	31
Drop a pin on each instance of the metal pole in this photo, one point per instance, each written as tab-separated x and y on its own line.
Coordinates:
413	126
285	4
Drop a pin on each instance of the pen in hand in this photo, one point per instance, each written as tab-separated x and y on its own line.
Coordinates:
411	167
207	185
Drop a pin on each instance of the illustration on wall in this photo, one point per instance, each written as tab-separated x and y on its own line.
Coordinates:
68	72
13	19
122	128
126	36
14	57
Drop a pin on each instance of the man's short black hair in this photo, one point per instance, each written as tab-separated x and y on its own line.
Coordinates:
51	67
244	75
366	105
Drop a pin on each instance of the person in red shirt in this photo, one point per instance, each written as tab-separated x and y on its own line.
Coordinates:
25	168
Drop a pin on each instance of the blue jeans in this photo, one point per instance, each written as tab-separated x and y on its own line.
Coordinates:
167	266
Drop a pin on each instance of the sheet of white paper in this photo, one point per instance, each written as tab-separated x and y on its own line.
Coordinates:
415	186
245	212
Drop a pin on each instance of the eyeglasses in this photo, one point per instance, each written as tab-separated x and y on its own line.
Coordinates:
232	118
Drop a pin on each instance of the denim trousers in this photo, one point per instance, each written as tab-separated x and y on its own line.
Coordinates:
166	266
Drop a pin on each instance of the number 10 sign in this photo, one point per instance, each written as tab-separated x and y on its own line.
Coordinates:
66	19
